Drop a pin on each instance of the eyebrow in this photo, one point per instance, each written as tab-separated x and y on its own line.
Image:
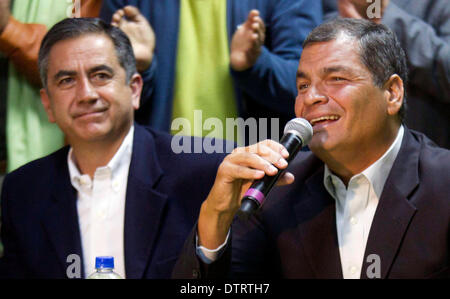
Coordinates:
102	67
328	70
67	73
301	74
337	69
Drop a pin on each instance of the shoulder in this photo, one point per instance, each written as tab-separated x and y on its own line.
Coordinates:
432	158
39	169
433	173
434	12
27	187
187	151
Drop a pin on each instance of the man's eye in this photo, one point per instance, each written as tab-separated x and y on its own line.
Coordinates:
338	79
102	76
303	86
65	81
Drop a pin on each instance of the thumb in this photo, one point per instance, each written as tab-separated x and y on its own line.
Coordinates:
131	12
253	13
134	14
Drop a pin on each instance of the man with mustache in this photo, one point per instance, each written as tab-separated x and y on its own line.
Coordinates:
371	199
118	189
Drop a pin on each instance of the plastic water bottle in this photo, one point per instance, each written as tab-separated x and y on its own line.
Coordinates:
104	266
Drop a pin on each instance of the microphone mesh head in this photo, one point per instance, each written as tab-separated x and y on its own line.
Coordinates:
301	127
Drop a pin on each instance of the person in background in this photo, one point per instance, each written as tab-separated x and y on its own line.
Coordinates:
23	25
423	29
25	134
370	200
3	82
118	189
225	58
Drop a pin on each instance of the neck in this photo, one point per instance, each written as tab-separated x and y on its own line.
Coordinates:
91	155
347	162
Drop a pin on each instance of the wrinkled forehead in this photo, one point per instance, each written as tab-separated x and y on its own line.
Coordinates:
342	52
343	46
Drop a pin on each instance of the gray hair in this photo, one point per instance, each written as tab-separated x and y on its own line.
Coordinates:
76	27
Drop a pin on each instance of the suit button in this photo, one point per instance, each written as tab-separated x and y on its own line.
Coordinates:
195	273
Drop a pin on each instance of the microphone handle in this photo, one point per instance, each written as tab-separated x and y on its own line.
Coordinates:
258	191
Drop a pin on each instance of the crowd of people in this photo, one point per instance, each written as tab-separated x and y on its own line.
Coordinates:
90	91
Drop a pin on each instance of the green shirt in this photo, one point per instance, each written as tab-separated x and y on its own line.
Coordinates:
29	135
203	84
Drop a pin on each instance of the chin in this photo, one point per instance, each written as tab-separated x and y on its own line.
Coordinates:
322	143
93	133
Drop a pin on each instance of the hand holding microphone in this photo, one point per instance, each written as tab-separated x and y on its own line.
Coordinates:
297	133
261	164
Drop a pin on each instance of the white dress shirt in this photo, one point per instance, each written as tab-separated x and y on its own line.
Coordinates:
210	255
101	207
355	209
356	205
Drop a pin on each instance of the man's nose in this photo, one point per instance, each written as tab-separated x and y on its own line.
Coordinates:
314	96
306	100
86	92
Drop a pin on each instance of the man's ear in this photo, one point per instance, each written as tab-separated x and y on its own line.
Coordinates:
47	105
136	84
394	94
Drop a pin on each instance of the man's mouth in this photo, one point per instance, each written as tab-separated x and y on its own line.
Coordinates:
323	119
89	113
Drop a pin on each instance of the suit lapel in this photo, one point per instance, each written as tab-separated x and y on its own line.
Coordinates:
144	204
60	219
316	216
394	211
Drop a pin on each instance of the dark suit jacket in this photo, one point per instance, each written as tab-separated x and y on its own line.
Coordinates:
295	236
164	193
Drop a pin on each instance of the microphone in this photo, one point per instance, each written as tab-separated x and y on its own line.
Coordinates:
297	133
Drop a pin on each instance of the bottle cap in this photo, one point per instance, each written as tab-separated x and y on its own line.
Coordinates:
104	262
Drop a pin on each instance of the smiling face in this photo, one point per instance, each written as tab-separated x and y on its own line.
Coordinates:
88	95
337	95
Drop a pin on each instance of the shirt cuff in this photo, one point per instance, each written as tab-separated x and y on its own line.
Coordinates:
209	256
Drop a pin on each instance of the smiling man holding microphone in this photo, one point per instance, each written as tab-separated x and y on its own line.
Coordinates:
366	197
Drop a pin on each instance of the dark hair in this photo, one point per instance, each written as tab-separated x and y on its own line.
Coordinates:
379	49
76	27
